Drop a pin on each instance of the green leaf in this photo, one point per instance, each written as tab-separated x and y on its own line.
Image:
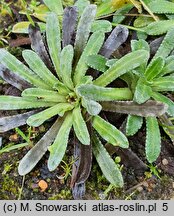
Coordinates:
43	95
22	27
98	93
169	66
109	132
55	6
84	28
54	40
134	123
110	62
58	148
66	59
161	7
9	148
15	66
61	88
159	27
153	139
159	97
167	44
154	69
97	62
92	107
59	109
81	5
34	155
139	45
15	103
80	127
102	26
109	168
122	66
93	46
37	65
119	15
142	91
142	21
163	84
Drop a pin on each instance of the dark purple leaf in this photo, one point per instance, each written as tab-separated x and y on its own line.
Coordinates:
155	44
117	37
9	122
38	45
69	23
13	79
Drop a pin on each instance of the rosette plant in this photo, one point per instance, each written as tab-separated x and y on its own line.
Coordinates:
56	84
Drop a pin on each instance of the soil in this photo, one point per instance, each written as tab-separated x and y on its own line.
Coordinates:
139	184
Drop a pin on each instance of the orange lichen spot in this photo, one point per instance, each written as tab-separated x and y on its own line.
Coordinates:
43	185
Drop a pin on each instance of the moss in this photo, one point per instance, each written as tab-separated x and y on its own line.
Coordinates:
64	194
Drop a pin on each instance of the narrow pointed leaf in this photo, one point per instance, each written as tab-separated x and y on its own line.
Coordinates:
30	160
38	45
66	59
134	123
106	163
43	95
15	66
15	103
9	122
93	46
37	65
163	84
55	6
149	108
117	37
39	118
159	97
153	139
80	127
109	132
54	40
13	79
97	62
142	91
154	69
58	148
122	66
83	29
69	24
92	107
169	66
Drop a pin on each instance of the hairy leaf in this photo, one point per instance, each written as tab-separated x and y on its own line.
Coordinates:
167	126
92	107
107	165
66	59
163	84
9	122
149	108
109	132
54	40
159	97
69	24
80	127
134	123
15	66
119	15
98	93
169	66
139	45
23	27
142	21
13	79
93	46
153	139
15	103
39	118
58	148
30	160
123	65
97	62
161	7
44	95
37	65
116	38
142	91
83	29
154	68
81	5
55	6
101	25
37	44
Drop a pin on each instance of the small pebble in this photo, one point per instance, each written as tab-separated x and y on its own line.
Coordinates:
165	162
139	189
